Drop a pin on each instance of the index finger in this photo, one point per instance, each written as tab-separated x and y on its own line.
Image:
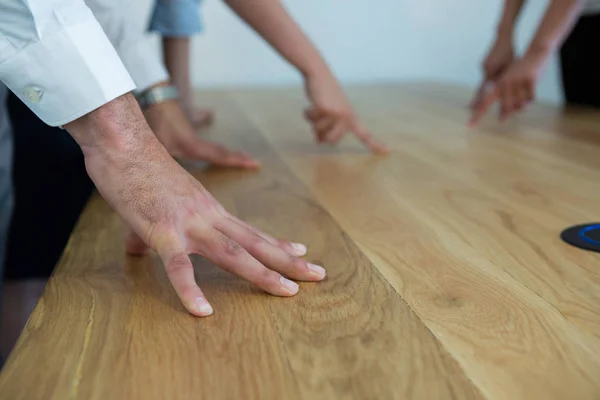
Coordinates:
367	139
485	104
180	272
479	94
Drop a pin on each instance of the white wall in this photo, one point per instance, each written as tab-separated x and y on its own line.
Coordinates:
366	41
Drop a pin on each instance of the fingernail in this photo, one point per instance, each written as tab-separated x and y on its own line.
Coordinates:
317	269
203	307
299	248
289	285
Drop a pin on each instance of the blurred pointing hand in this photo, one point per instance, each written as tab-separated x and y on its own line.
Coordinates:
498	60
514	90
331	115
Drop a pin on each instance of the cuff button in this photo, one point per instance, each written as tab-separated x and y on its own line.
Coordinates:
33	93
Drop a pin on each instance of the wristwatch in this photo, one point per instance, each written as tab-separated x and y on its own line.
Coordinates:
155	95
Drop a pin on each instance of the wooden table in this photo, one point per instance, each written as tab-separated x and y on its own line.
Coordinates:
447	277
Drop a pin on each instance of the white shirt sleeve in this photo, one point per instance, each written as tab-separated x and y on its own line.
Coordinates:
138	54
56	58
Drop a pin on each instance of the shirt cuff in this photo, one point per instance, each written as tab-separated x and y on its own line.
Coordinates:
144	64
67	74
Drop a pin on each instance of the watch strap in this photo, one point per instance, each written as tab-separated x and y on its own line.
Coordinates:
157	95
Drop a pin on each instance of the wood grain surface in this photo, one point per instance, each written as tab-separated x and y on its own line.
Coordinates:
446	275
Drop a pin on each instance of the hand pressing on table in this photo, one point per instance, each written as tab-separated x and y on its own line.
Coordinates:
173	214
514	90
170	125
331	115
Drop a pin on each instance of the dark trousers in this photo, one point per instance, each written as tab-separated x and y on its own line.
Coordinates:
6	192
51	187
580	63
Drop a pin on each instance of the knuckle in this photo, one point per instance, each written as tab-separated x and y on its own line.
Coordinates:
283	244
222	211
265	277
297	262
343	115
178	262
255	243
334	112
212	213
232	248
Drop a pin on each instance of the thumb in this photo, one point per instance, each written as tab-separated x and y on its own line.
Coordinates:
134	245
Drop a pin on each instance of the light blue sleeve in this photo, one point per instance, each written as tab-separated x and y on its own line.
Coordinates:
176	18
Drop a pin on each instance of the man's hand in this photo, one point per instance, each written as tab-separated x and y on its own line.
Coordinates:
498	60
514	90
332	116
173	214
173	130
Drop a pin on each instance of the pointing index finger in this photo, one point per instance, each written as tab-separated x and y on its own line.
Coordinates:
479	94
368	140
482	108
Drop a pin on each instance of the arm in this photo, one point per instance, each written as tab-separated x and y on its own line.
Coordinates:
133	46
331	114
167	119
557	23
510	14
515	88
168	209
56	58
270	20
501	54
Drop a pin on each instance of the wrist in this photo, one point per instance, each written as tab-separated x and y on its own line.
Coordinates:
116	127
539	49
505	30
157	94
505	35
159	84
316	69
